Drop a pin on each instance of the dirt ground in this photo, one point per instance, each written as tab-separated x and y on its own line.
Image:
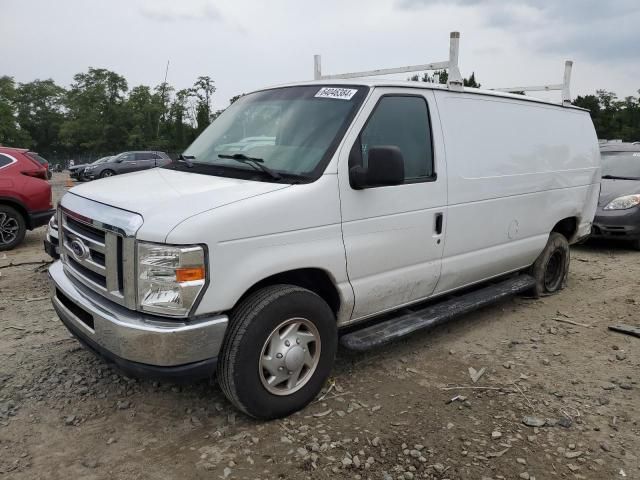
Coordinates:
386	414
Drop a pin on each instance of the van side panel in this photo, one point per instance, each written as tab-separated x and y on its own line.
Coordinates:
515	169
297	227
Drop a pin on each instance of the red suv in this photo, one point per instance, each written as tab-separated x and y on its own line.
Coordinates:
25	196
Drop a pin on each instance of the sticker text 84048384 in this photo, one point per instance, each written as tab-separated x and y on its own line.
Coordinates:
337	93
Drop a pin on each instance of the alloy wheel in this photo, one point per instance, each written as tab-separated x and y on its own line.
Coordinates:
9	228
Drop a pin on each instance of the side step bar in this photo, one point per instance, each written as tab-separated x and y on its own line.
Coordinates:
433	315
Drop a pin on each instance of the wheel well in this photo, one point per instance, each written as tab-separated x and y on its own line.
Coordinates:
19	208
567	227
314	279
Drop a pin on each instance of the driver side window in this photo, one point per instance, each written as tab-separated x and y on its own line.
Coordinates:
402	121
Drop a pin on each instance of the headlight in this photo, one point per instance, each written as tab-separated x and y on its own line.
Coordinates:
170	278
53	222
622	203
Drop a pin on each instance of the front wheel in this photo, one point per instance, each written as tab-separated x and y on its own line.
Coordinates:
551	268
107	173
12	227
278	351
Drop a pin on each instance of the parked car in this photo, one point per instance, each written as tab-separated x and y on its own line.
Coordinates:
76	171
42	161
25	196
79	171
51	242
373	198
618	214
97	162
127	162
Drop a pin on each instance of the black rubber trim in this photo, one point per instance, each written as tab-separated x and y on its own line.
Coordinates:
38	219
433	315
179	373
51	249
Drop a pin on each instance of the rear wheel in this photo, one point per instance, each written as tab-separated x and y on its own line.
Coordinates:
636	244
551	268
12	227
278	351
107	173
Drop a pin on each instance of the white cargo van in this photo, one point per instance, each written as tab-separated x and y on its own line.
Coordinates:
368	199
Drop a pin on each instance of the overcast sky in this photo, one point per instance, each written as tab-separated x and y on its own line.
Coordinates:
244	45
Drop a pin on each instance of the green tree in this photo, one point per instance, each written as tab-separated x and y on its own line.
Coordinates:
39	107
613	118
11	134
96	117
180	124
235	98
203	90
442	77
471	81
144	110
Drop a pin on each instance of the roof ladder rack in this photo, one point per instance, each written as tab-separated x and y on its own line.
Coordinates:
564	86
455	78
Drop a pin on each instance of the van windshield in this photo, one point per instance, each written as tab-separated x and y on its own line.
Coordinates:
292	131
621	164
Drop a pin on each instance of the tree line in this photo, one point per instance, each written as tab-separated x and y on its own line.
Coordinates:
99	114
613	118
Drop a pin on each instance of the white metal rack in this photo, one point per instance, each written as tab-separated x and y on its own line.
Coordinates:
564	86
454	78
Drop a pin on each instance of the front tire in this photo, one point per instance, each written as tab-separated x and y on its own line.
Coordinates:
278	351
551	268
107	173
12	228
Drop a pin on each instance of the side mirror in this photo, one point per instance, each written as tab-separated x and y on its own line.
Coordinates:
386	167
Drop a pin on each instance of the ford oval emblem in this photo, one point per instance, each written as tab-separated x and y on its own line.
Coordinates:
79	249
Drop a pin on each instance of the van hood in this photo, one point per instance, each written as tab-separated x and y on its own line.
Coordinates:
612	189
165	197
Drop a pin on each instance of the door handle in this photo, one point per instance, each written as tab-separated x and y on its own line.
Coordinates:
438	223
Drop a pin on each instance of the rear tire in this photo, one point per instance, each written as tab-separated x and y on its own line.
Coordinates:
636	244
266	371
551	268
12	228
107	173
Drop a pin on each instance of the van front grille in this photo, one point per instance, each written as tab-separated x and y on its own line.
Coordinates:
95	256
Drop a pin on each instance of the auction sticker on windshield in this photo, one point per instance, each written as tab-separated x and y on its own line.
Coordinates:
338	93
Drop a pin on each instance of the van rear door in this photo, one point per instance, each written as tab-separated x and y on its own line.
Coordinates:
394	235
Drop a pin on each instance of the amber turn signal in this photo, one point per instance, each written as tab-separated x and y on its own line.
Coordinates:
189	274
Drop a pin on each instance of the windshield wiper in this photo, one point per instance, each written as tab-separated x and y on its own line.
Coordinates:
186	159
615	177
257	163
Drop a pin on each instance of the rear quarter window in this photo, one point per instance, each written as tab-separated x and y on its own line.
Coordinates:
6	160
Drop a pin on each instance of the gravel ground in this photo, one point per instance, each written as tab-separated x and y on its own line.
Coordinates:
554	399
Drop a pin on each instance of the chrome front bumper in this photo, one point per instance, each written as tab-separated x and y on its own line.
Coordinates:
122	334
